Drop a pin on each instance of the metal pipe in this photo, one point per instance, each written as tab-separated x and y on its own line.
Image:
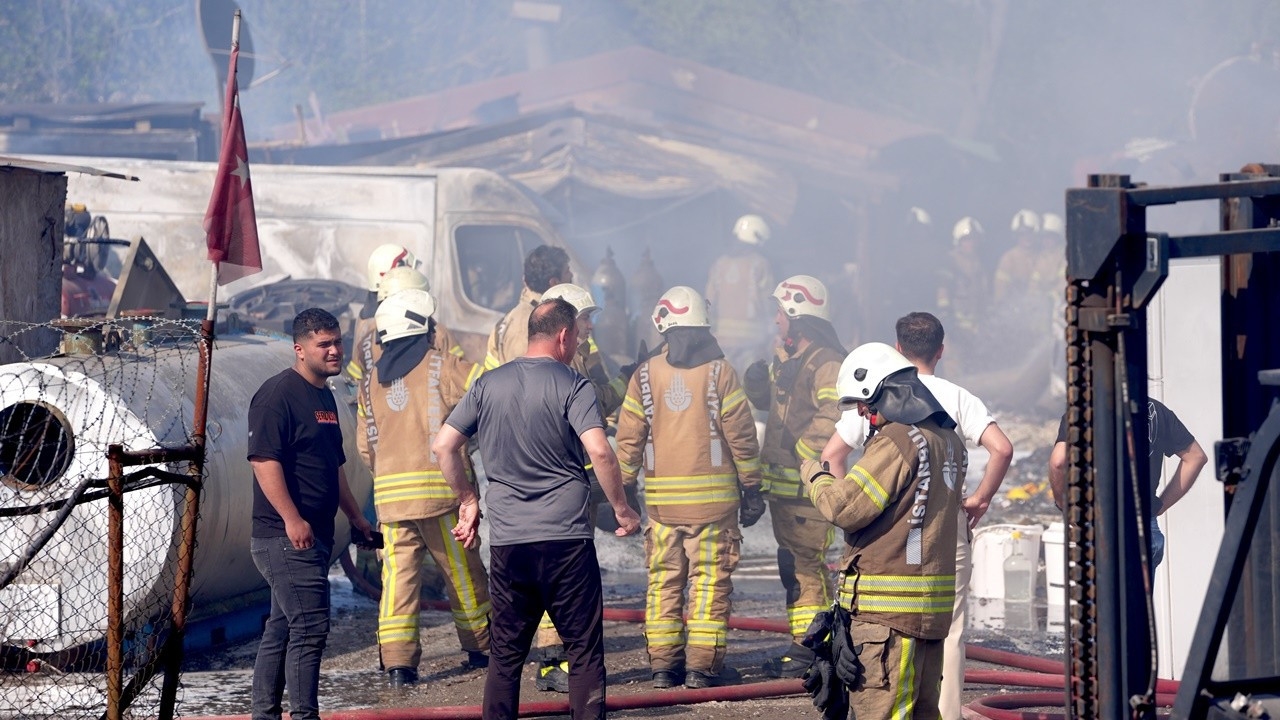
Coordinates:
115	583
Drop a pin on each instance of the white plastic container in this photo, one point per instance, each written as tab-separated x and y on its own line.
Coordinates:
1055	564
991	545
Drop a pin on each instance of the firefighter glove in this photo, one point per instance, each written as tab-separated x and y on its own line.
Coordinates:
752	508
812	471
844	655
755	382
826	690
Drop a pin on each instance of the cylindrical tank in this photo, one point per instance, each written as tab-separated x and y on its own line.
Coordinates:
610	290
647	287
65	411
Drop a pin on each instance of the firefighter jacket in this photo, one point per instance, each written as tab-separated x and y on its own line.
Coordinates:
609	391
802	417
407	413
898	508
365	352
510	337
691	430
738	289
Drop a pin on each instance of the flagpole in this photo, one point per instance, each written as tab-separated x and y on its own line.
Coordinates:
211	311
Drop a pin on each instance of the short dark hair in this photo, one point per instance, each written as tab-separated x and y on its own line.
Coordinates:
313	320
919	335
544	264
550	317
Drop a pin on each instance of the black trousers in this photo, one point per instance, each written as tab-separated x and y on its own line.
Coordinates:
561	578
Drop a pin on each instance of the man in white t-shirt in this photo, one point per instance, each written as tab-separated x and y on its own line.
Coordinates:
920	337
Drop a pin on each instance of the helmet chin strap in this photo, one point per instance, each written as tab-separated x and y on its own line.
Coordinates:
791	343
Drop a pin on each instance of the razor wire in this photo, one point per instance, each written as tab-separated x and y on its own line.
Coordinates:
127	382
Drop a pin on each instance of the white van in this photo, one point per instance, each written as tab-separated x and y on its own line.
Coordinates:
470	228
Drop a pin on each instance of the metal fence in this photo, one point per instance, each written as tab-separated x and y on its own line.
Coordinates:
101	462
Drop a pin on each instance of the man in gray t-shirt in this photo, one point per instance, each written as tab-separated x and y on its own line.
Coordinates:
538	423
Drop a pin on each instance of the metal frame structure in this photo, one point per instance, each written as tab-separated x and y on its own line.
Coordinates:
1114	267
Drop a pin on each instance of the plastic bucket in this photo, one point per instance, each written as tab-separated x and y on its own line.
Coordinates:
1055	564
991	545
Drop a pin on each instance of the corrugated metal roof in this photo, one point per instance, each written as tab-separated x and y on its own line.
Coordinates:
60	168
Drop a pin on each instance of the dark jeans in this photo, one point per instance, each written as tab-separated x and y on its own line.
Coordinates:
294	636
563	579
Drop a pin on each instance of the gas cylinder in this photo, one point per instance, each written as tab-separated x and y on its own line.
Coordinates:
610	290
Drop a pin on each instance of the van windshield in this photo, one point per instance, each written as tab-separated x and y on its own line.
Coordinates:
491	262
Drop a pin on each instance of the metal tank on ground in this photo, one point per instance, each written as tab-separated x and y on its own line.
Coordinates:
59	414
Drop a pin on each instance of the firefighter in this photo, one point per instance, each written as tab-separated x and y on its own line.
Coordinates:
588	360
965	290
738	291
686	420
799	392
1013	273
413	388
544	266
897	507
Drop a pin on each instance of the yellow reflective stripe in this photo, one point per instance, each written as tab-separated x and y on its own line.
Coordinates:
904	702
868	602
804	452
778	472
360	413
906	583
690	498
665	482
592	347
388	497
731	401
389	570
870	487
545	623
354	370
490	362
470	613
618	385
628	469
747	465
820	484
476	371
456	351
702	592
655	625
633	406
800	616
828	393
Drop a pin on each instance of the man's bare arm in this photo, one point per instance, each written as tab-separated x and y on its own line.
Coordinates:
1190	462
270	476
1058	474
605	464
836	455
1000	451
448	451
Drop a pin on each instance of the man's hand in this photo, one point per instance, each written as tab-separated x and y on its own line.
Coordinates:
467	531
752	508
975	507
628	520
300	534
359	523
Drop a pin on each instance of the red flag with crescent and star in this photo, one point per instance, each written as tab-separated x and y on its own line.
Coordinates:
230	224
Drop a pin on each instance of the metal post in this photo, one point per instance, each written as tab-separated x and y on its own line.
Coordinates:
115	582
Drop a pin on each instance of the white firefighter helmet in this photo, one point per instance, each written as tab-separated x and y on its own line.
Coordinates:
401	278
681	306
383	258
864	370
803	295
1025	221
1052	223
752	230
575	295
966	227
919	216
404	314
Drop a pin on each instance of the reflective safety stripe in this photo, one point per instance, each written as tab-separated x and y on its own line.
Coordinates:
804	452
476	371
421	485
731	401
869	486
456	351
490	362
800	617
398	628
691	490
781	481
748	466
904	702
628	469
919	594
828	393
633	406
355	371
470	613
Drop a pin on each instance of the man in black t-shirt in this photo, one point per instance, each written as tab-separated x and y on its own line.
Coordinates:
295	448
1166	437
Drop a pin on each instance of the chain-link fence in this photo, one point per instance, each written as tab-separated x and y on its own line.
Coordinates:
98	481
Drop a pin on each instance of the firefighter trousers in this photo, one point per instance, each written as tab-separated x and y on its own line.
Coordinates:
803	537
689	565
903	673
407	542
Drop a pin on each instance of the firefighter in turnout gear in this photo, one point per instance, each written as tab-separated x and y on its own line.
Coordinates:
897	507
544	266
738	291
686	421
588	361
413	387
799	392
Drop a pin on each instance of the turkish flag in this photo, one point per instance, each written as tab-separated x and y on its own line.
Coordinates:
230	225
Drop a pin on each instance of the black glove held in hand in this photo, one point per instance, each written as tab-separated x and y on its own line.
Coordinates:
755	382
844	655
752	508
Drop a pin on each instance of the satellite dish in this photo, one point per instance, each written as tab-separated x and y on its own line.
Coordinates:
215	18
